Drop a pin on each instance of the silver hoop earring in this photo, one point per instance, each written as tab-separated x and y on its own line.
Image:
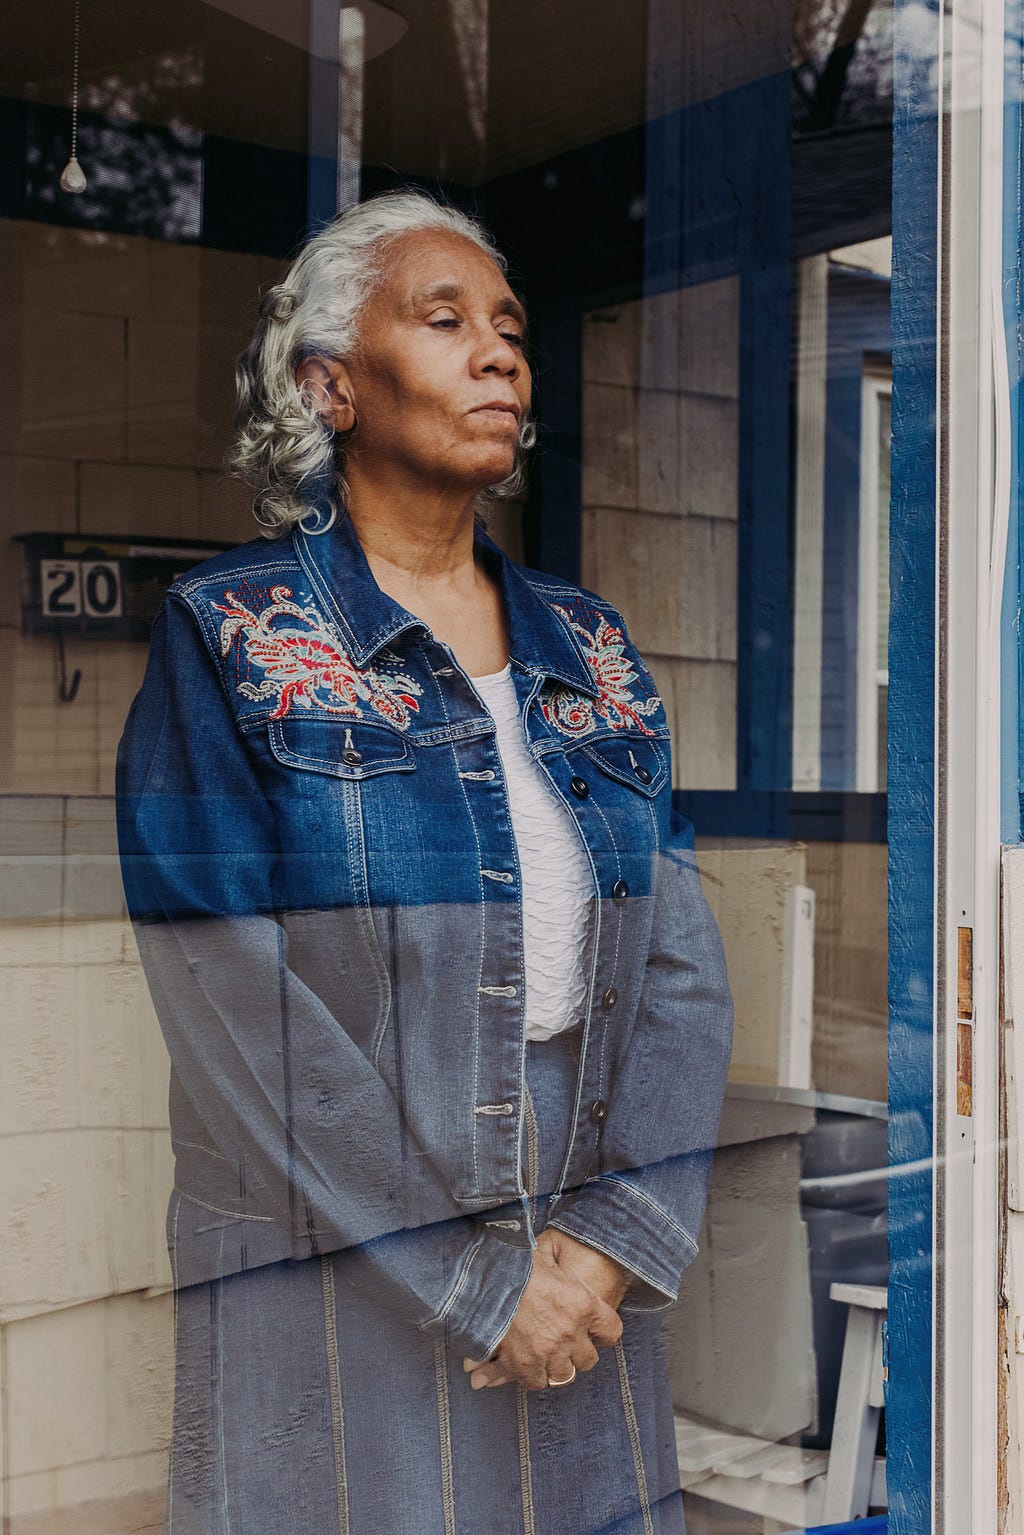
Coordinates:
316	520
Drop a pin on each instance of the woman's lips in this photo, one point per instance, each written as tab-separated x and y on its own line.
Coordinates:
498	413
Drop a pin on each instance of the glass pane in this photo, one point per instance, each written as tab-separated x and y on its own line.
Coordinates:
695	205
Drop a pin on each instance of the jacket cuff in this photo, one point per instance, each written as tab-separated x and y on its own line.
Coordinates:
620	1220
480	1306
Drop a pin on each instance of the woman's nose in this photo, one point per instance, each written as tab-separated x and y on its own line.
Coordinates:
496	355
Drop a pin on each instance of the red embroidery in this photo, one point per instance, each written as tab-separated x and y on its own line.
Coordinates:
306	666
574	714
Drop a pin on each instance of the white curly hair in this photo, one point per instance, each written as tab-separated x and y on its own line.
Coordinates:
291	459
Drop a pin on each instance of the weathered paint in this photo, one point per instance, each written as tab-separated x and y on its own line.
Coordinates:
1011	1316
912	768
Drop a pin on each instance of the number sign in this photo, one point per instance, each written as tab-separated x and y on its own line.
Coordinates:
109	587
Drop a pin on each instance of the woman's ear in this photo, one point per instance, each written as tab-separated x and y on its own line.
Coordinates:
325	383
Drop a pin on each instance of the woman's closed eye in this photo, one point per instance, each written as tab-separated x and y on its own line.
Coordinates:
452	322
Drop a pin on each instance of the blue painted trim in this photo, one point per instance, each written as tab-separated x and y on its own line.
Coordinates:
912	767
718	203
554	525
784	814
1012	661
764	681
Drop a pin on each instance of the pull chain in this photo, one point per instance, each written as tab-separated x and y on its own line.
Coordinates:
72	177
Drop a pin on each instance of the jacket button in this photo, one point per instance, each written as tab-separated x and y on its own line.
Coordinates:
642	773
579	787
351	756
620	890
598	1111
610	998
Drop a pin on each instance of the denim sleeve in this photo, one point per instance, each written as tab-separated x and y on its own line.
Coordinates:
646	1204
276	1081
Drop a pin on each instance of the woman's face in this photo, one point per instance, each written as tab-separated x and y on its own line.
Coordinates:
439	382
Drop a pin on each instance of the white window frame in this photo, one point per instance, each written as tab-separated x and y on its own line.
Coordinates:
876	385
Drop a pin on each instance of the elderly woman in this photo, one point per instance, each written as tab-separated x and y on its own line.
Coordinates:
446	1009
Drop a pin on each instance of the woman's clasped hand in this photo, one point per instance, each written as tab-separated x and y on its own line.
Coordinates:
567	1312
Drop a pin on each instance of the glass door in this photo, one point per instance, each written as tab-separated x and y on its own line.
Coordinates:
747	239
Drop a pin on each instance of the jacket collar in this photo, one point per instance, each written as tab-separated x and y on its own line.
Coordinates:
369	619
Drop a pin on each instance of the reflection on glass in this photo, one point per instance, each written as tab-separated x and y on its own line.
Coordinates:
696	203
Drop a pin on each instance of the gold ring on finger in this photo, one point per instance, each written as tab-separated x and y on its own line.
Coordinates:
566	1382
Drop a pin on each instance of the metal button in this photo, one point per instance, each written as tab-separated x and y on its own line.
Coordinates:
351	757
620	890
610	998
598	1111
642	773
579	787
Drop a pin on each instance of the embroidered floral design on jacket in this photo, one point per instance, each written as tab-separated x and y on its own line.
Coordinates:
617	703
305	665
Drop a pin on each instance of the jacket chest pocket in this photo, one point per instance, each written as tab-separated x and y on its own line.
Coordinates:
342	790
353	750
638	762
623	775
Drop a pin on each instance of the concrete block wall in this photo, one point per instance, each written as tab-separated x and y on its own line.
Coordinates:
85	1172
116	389
660	489
116	393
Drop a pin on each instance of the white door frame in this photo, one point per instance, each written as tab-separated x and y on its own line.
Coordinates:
973	495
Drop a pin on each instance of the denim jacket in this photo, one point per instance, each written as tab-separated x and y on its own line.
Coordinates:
320	865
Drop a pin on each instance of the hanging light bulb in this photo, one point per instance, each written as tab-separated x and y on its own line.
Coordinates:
72	177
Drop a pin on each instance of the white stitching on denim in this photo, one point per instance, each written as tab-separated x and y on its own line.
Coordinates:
646	1198
336	769
484	776
444	1427
499	991
499	875
239	1215
483	936
525	1464
506	1225
494	1108
217	1348
198	1146
633	1429
198	582
334	1376
174	1326
456	1290
352	808
532	1153
593	936
522	1402
618	938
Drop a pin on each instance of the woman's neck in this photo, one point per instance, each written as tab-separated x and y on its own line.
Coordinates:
418	537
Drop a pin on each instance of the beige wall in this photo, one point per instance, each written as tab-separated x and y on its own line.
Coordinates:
660	489
660	455
851	967
116	388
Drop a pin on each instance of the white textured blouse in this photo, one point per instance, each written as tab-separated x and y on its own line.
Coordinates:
554	870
